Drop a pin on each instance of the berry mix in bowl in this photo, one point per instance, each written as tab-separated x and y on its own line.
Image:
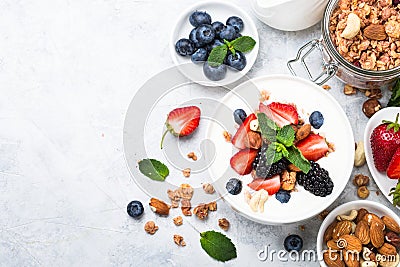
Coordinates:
281	164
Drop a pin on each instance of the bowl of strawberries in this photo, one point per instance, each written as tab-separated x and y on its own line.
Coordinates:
382	151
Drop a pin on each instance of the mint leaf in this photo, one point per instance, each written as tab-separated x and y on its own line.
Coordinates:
395	98
295	157
217	55
153	169
243	44
218	246
272	155
286	135
230	47
268	128
395	192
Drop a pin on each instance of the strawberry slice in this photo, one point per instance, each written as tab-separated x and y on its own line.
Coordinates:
242	161
281	114
393	171
241	139
182	121
313	147
271	185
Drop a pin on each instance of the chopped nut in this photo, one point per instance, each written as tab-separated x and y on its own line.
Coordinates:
192	156
174	196
201	211
208	188
253	140
185	207
303	132
326	87
302	228
159	206
212	206
393	239
293	168
258	200
150	227
178	220
353	26
349	90
359	156
360	180
363	192
179	240
323	215
374	93
370	107
227	136
288	180
265	95
224	224
186	191
186	172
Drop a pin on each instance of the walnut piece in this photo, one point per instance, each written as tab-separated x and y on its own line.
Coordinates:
192	156
363	192
349	90
208	188
326	87
288	180
150	227
178	221
360	180
185	207
186	191
212	206
201	211
224	224
179	240
227	136
186	172
175	197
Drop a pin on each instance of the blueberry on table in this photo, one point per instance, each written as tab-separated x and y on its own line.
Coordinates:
237	61
239	115
184	47
228	33
217	26
283	196
205	34
214	73
293	242
200	55
316	119
135	209
234	186
236	22
193	38
199	17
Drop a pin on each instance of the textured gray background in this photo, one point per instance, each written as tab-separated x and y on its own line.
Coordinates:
68	70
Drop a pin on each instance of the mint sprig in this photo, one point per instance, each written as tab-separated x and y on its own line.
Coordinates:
218	246
395	192
395	98
153	169
243	44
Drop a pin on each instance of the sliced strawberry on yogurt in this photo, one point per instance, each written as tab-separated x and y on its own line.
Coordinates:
281	114
271	185
313	147
240	139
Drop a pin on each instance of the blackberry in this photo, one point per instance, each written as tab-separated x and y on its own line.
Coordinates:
266	171
316	181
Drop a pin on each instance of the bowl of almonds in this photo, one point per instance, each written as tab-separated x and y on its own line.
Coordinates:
359	234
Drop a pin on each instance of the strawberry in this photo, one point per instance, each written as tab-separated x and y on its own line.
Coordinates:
272	185
242	161
281	114
313	147
182	121
241	139
393	170
385	139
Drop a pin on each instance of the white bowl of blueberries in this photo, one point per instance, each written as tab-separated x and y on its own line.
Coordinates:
211	52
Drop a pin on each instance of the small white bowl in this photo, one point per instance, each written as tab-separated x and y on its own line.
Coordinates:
384	183
219	11
371	206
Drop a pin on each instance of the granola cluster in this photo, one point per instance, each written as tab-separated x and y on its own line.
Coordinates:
367	33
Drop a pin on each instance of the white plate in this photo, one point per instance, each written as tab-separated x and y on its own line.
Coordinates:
308	97
219	11
384	183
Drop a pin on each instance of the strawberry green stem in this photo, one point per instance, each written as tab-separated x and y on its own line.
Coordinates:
162	138
395	125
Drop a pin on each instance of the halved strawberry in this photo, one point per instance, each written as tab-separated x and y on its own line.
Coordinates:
281	114
241	139
393	171
242	161
313	147
271	185
182	121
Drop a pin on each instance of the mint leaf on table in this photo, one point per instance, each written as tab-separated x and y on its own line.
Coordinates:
268	128
153	169
296	158
394	100
243	44
286	135
395	192
218	246
217	55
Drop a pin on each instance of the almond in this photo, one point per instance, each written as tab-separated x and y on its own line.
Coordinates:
332	244
387	249
333	259
391	224
375	32
329	231
377	235
342	228
159	206
352	243
362	232
351	259
373	218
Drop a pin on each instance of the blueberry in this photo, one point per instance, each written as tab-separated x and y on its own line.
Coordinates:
184	47
214	73
214	44
200	55
396	2
316	119
193	38
237	35
234	186
205	34
283	196
228	33
293	242
135	209
199	17
237	61
239	116
235	22
217	26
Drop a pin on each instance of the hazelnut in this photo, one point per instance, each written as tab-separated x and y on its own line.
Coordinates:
370	107
363	192
349	90
360	180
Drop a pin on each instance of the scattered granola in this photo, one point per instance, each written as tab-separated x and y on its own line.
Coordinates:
175	197
208	188
201	211
192	156
150	227
186	191
186	172
323	215
185	207
349	90
373	93
326	87
302	228
178	221
227	136
224	224
265	95
288	180
179	240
